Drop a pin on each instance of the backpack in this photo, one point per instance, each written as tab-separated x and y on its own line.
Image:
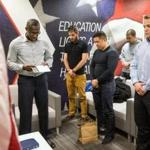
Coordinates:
123	91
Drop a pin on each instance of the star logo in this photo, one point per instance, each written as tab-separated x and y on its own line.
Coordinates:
44	18
92	4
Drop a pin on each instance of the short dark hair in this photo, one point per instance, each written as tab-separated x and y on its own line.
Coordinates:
73	29
131	32
146	16
32	22
100	34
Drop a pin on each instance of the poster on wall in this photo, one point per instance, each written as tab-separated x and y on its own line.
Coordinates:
114	17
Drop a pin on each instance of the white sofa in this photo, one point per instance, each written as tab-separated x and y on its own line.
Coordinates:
54	109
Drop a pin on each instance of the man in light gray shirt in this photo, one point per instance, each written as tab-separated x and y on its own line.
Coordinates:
26	52
140	76
128	51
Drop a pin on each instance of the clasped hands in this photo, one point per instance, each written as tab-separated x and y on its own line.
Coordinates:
139	88
94	83
71	73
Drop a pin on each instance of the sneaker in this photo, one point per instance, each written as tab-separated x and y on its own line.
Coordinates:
107	139
102	131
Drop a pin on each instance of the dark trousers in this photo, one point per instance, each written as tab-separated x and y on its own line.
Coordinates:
142	119
29	87
103	99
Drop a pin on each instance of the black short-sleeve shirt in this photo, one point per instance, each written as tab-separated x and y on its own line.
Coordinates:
74	51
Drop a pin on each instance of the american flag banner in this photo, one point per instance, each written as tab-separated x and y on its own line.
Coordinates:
8	132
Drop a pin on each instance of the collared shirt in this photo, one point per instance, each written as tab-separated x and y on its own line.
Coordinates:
127	53
75	51
24	52
140	66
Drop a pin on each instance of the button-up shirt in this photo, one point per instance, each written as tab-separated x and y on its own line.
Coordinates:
127	53
140	66
24	52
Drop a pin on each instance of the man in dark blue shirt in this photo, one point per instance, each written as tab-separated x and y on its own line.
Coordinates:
102	69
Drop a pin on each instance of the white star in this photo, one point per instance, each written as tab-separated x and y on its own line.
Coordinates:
92	3
44	18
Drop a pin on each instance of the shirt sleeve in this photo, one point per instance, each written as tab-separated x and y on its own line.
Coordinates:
12	58
111	66
48	58
85	48
134	69
124	53
66	50
92	66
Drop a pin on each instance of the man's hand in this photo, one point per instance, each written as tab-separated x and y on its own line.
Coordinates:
71	72
95	83
139	88
28	67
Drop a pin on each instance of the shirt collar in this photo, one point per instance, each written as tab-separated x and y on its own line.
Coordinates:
75	42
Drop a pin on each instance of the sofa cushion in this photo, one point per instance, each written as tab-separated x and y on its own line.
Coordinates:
120	110
51	113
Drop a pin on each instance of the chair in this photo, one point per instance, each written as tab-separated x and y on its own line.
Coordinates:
54	109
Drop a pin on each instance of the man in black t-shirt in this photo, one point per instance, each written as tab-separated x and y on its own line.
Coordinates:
102	69
75	58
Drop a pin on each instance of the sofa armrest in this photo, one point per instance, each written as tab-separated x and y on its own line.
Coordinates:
130	115
54	101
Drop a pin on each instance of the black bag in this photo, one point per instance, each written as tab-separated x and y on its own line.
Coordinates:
123	91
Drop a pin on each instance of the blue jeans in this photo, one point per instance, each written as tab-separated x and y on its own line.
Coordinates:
103	99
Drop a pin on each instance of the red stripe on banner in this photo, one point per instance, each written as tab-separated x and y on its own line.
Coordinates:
15	79
132	9
118	69
14	143
16	29
9	17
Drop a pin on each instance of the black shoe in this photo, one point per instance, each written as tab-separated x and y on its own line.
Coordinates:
107	139
102	131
